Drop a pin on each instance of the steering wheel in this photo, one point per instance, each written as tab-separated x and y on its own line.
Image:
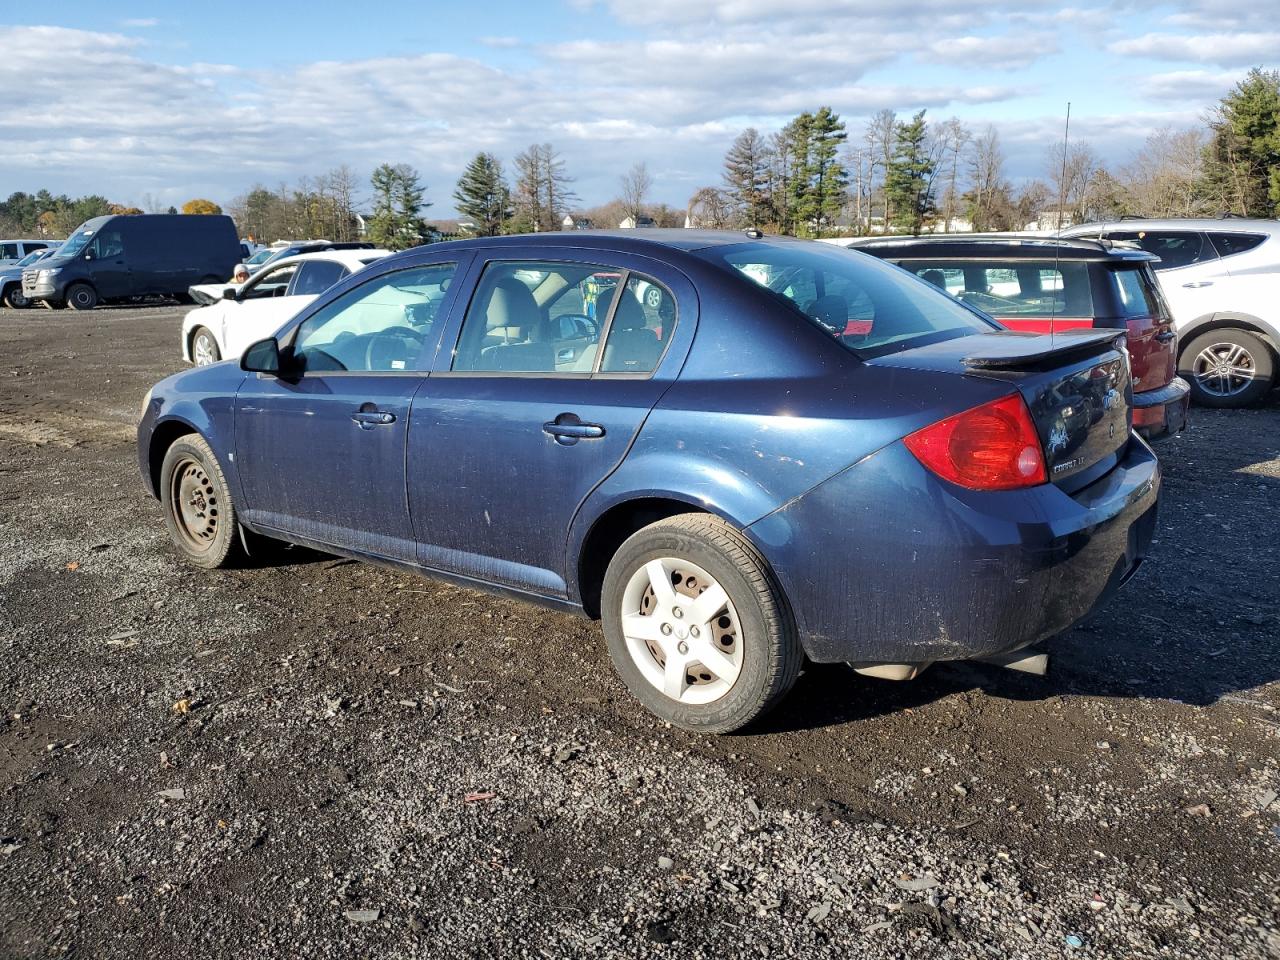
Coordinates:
592	325
390	345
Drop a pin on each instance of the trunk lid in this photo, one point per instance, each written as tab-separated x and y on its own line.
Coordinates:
1075	383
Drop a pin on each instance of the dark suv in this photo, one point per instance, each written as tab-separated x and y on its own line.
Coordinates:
1043	285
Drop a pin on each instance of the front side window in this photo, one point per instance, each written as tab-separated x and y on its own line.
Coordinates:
107	245
868	306
1013	288
380	326
273	283
315	277
1174	248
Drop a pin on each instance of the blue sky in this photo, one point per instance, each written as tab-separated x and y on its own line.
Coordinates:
164	100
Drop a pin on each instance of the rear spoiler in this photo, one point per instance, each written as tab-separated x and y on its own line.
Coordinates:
1014	350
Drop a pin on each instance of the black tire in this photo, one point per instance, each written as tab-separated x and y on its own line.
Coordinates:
13	298
204	333
81	296
197	506
771	655
1246	350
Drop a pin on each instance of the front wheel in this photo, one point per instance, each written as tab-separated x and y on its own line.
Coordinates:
81	296
197	504
13	298
697	626
1227	368
204	348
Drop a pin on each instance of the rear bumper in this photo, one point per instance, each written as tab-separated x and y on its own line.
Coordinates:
887	564
1162	412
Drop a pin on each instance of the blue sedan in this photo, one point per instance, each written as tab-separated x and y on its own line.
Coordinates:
752	451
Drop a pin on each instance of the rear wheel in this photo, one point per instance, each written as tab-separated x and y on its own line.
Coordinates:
1227	368
81	296
197	505
204	348
13	297
697	626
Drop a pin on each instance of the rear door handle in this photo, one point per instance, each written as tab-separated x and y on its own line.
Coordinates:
368	419
1197	284
1166	336
568	429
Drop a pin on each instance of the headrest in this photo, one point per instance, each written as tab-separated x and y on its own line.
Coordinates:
629	315
936	277
511	305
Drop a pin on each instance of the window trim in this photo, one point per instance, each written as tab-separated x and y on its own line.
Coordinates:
595	373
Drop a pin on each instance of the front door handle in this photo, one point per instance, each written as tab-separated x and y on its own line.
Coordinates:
1197	284
1166	336
568	429
368	419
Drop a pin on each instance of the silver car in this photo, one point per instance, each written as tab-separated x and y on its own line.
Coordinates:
11	278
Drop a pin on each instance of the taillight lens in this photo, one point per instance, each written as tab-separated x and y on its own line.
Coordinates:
991	447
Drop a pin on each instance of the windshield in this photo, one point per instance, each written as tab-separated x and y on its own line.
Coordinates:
76	242
870	307
32	257
260	257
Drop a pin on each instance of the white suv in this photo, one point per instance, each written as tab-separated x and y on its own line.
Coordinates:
1222	281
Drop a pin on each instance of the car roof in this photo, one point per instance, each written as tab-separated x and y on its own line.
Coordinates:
969	246
635	241
351	259
1214	224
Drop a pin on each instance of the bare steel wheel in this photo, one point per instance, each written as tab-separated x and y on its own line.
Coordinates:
197	504
696	624
1227	367
204	348
682	630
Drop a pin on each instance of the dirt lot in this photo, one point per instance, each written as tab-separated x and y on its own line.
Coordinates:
325	759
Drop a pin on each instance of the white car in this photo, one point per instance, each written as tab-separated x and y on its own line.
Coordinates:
237	315
1222	281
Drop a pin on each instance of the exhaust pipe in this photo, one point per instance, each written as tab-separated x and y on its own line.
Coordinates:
1025	660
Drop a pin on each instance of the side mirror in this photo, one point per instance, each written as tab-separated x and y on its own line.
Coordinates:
230	293
262	357
88	254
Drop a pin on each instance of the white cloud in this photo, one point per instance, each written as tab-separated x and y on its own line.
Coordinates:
1225	49
1008	52
1189	86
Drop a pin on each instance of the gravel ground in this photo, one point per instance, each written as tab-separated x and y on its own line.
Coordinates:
327	759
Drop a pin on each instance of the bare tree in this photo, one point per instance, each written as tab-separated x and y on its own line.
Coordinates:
1071	169
710	209
880	137
542	192
987	183
949	140
1162	180
636	184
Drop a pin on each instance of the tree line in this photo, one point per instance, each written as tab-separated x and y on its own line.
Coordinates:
811	178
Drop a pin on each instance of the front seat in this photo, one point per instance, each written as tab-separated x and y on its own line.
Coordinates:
632	347
510	318
936	277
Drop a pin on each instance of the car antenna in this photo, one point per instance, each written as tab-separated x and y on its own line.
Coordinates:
1057	237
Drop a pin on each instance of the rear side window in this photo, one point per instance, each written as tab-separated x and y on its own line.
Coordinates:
551	318
1175	248
1013	288
1138	296
316	276
1229	244
9	251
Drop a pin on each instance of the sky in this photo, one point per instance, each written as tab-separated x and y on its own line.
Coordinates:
175	101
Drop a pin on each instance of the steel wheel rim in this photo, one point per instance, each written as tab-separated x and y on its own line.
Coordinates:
17	301
82	297
682	631
1224	369
204	350
194	500
653	298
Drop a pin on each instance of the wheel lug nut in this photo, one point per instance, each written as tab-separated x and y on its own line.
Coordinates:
683	648
666	629
677	612
693	631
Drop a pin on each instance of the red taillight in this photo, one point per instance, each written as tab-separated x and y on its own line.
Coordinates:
991	447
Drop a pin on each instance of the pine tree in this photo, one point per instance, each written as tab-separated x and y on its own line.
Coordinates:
746	178
483	196
1242	162
819	180
397	207
906	182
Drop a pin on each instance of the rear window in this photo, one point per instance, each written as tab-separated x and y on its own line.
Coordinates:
1175	248
1139	296
871	308
1013	288
1229	244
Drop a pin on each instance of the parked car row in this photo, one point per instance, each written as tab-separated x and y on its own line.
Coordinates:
536	416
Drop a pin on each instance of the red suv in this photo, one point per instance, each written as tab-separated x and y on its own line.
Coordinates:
1045	285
